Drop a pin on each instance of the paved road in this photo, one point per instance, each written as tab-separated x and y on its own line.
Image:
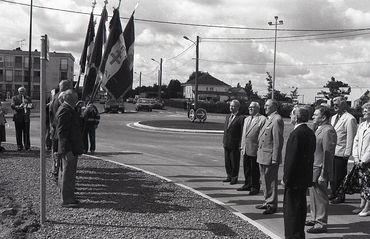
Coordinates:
196	160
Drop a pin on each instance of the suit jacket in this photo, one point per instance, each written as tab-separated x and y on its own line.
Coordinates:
20	113
251	129
68	130
299	157
326	140
271	140
346	130
361	145
233	132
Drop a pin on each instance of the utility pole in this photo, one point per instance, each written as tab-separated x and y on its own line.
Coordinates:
196	69
140	79
276	28
160	80
29	53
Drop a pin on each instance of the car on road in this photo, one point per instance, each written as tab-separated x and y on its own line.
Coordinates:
144	104
157	104
114	106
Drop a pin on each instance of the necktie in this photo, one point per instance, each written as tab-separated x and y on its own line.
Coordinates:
232	116
336	120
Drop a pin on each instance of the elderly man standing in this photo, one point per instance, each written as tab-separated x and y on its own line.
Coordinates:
21	104
69	146
270	145
231	142
326	140
345	126
298	167
249	145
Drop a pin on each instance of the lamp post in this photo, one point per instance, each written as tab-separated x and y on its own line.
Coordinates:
159	77
280	22
139	77
196	70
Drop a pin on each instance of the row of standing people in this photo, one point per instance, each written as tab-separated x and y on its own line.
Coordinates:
312	159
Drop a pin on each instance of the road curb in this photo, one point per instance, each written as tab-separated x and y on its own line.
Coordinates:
152	128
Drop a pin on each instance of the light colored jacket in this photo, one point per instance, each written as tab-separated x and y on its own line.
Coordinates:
271	140
346	130
326	140
361	145
251	129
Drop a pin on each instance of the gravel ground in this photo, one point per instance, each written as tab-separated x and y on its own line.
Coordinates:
116	202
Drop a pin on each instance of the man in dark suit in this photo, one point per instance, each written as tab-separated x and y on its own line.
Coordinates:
69	146
21	104
270	145
298	167
231	142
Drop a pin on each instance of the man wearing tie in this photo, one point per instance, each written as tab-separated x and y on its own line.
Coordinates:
249	145
231	142
345	126
270	145
21	104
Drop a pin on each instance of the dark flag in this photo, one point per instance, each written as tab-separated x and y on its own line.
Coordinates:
118	59
96	57
89	44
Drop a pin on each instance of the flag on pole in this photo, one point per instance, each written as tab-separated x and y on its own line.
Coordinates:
118	59
95	58
89	44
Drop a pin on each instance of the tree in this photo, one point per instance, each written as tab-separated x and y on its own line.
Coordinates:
279	96
335	90
252	95
174	89
294	94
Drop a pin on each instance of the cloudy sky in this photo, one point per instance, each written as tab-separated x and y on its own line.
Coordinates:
319	38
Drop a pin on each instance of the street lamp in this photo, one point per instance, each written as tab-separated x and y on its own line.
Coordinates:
196	70
139	78
159	77
280	22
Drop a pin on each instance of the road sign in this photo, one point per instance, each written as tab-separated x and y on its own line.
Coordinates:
201	114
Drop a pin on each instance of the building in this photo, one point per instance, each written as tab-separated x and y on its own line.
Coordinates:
14	71
209	88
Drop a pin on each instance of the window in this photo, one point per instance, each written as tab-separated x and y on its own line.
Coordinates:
211	88
9	75
8	88
1	75
63	75
18	61
17	76
63	64
36	92
9	61
1	61
26	62
36	62
26	77
36	76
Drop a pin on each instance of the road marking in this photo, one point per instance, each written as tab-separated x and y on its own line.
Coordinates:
137	125
235	212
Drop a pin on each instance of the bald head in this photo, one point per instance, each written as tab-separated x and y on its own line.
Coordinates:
65	85
70	96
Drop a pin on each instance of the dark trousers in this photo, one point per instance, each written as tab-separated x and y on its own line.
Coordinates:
251	172
89	135
67	177
339	172
22	130
295	211
232	162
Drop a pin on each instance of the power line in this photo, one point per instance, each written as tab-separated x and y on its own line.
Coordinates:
191	24
181	53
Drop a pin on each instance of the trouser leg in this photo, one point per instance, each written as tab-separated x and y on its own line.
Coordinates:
295	211
18	133
254	172
26	135
92	138
69	165
270	182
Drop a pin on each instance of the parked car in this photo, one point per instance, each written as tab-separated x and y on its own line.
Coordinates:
114	106
144	104
157	104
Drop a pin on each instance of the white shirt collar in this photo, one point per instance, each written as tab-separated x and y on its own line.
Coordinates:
296	126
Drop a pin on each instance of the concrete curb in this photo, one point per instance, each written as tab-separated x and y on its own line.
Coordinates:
151	128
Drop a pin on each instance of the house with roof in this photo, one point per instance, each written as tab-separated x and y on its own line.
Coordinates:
209	88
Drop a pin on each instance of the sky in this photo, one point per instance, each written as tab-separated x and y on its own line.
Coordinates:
335	41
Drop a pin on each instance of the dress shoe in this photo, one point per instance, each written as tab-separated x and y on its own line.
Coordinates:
310	223
254	192
364	214
261	206
337	200
244	188
227	180
317	229
234	181
269	210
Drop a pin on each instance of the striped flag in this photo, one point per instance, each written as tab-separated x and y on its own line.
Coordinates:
96	57
118	59
89	44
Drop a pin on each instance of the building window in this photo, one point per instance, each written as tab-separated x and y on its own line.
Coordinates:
9	75
36	62
17	76
1	75
36	76
25	62
8	88
211	88
36	92
1	61
18	61
64	64
26	77
63	75
9	61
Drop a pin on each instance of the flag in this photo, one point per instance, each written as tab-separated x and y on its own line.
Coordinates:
95	58
89	44
118	59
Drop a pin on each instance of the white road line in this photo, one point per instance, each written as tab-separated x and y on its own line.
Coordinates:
237	213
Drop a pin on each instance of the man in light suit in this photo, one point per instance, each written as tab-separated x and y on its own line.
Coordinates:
270	145
249	145
326	140
345	126
231	142
298	168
